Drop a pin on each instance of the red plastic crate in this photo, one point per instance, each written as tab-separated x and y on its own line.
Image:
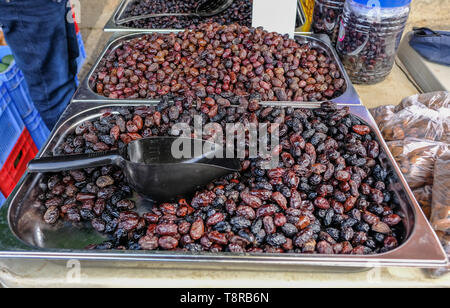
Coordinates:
16	164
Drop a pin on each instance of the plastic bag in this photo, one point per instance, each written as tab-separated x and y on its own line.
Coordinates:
418	135
424	196
415	122
435	100
440	208
416	159
424	116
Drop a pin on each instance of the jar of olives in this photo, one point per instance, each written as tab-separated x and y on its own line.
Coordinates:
326	17
369	37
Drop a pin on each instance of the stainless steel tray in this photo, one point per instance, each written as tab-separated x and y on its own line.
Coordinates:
23	235
85	91
112	26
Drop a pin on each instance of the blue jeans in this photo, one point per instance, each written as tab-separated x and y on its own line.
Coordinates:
45	48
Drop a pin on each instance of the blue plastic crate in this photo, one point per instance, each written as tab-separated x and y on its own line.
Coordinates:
82	56
11	124
2	199
37	128
15	83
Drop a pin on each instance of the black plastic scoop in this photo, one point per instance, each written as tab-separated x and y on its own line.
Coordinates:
152	168
206	9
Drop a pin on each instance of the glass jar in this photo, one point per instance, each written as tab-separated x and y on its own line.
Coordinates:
326	17
369	37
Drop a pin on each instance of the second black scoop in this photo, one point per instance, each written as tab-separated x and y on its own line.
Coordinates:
151	167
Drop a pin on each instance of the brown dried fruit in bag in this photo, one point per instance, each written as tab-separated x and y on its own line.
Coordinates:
424	195
440	208
423	116
416	159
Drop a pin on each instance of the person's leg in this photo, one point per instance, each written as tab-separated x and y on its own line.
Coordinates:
43	44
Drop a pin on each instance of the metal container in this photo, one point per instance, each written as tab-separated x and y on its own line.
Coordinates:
112	26
25	236
85	92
